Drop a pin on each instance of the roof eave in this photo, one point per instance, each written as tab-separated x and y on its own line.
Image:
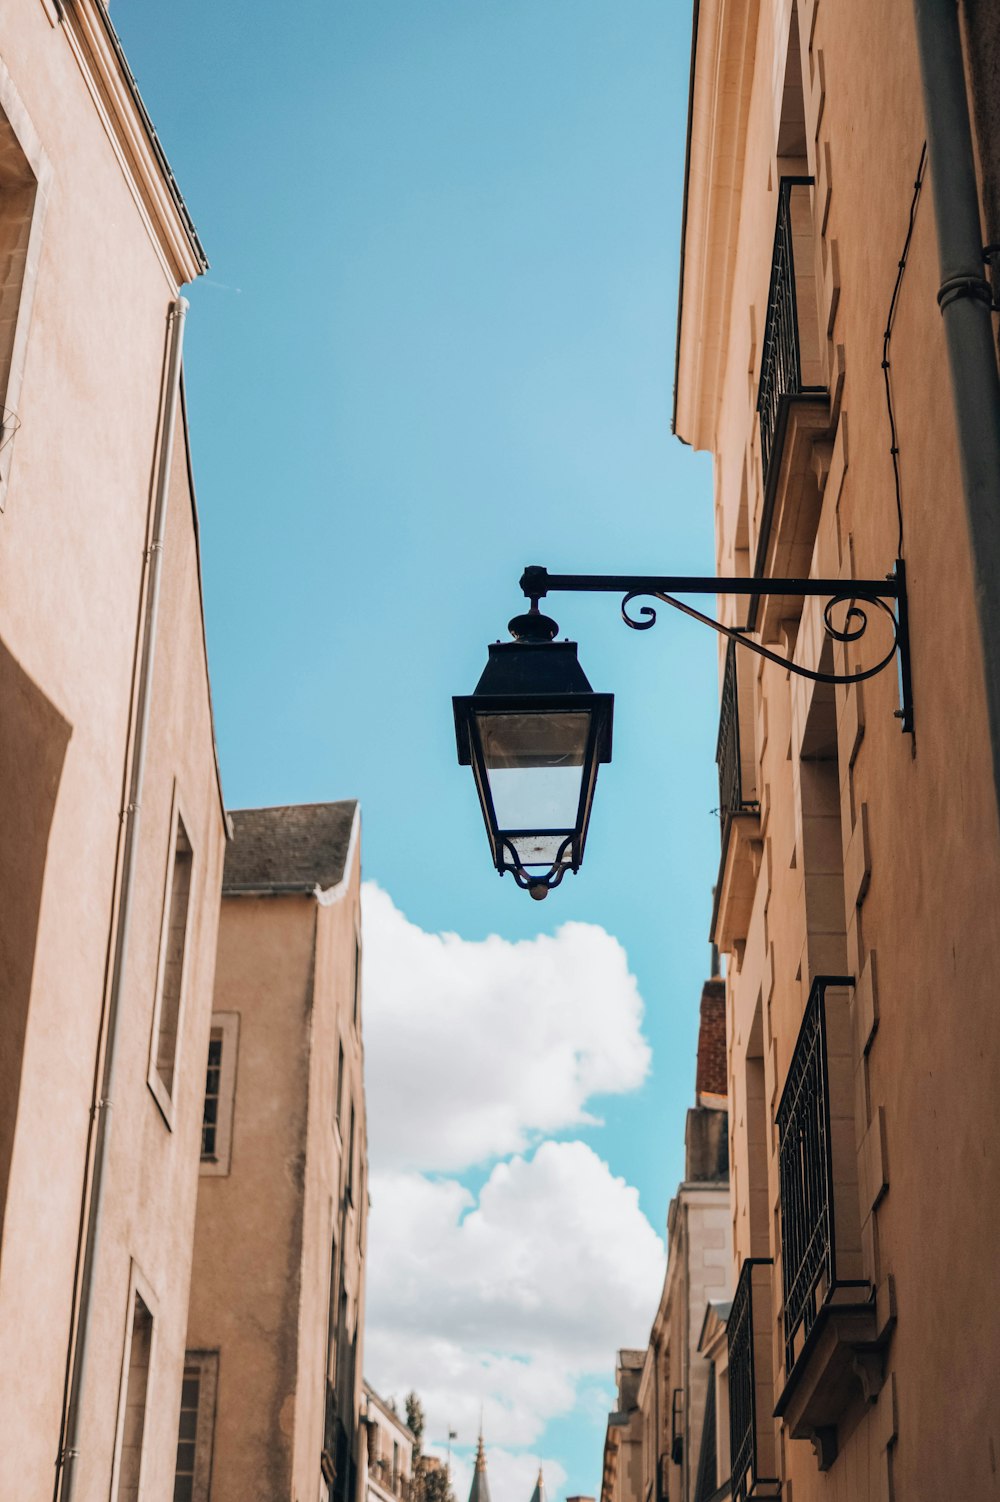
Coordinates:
101	57
722	46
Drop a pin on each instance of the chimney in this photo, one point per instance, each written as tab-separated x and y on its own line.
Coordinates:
711	1077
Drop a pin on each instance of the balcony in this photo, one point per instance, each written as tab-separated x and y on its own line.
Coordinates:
833	1331
750	1329
738	810
793	408
391	1481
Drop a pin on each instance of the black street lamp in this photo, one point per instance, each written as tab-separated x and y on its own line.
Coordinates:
534	731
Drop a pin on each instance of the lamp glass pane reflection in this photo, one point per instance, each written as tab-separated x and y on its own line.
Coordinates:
534	764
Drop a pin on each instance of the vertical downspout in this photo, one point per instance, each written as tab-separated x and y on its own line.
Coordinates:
131	816
965	301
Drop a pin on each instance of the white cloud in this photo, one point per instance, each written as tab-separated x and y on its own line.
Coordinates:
475	1049
507	1302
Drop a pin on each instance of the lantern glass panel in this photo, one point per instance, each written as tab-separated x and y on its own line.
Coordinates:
534	762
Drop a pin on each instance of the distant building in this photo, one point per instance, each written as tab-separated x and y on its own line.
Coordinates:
275	1328
678	1390
538	1495
390	1450
480	1488
662	1443
622	1479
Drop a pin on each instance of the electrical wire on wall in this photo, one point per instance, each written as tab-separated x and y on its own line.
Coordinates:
887	337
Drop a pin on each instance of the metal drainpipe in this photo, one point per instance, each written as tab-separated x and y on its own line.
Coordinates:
131	813
965	301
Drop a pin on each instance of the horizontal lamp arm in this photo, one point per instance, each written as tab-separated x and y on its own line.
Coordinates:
537	582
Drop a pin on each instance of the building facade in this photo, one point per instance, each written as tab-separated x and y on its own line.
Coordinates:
274	1344
113	829
857	899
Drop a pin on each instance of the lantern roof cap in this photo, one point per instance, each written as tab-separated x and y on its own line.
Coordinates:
529	667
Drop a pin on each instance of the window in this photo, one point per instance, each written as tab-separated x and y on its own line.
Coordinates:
220	1094
173	943
197	1421
210	1114
357	980
132	1404
348	1171
24	176
338	1082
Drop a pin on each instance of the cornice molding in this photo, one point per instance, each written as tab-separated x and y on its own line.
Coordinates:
99	56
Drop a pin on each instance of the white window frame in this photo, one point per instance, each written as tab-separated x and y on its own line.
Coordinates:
137	1284
228	1024
165	1098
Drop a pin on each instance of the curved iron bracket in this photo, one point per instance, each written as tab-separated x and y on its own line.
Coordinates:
887	596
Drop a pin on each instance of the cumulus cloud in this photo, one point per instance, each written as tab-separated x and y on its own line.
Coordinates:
508	1300
474	1049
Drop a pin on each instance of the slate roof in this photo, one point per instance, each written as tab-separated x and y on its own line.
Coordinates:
302	848
538	1495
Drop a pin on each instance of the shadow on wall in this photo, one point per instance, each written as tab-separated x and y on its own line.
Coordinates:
33	741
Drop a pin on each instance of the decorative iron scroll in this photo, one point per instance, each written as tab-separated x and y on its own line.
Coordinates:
846	633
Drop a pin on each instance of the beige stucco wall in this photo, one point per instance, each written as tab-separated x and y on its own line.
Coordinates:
908	893
76	498
261	1287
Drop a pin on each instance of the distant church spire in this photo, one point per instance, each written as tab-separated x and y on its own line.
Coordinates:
480	1489
538	1495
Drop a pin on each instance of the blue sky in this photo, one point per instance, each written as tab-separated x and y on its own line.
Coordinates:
436	343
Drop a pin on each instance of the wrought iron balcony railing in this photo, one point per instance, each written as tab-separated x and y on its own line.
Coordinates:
806	1177
748	1464
781	356
728	751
